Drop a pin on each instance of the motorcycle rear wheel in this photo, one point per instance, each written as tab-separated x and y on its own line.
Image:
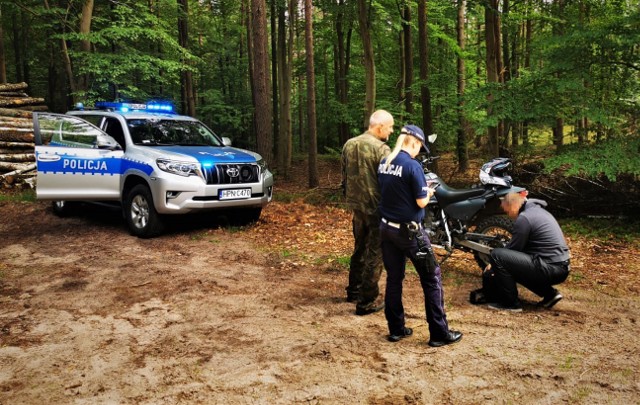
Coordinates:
495	225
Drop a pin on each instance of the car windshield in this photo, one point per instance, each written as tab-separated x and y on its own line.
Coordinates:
171	132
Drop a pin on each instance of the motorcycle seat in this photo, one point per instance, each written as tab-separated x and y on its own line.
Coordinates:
447	195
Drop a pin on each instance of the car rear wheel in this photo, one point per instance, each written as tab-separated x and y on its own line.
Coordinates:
141	215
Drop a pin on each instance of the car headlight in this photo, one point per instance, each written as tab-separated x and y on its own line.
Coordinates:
262	164
184	169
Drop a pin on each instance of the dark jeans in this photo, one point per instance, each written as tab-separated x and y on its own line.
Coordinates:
366	261
511	267
396	247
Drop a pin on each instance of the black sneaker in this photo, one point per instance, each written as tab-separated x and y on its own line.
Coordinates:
501	307
396	338
551	300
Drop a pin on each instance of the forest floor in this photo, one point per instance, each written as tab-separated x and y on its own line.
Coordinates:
210	313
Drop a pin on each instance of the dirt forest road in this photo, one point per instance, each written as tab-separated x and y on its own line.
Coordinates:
210	314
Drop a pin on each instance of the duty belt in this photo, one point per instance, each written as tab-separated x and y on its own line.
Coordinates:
391	224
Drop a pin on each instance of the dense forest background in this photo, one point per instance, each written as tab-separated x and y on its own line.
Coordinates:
283	77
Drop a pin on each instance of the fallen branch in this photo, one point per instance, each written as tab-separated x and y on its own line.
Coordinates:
10	177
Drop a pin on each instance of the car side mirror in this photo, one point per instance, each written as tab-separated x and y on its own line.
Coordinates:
226	141
107	142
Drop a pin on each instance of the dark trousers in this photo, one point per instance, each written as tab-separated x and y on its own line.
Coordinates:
511	267
396	248
366	261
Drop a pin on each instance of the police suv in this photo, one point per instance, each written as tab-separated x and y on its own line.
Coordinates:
151	160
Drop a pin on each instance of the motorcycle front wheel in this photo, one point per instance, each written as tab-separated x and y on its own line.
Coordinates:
499	226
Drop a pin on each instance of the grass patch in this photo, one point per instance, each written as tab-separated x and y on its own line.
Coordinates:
19	196
617	230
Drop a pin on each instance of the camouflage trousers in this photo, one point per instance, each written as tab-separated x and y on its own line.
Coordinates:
366	261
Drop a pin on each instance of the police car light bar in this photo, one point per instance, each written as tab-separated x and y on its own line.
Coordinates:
124	107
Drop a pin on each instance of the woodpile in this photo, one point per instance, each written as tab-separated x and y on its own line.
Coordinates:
17	154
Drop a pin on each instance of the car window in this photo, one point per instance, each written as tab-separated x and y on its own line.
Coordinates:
61	130
171	132
113	127
94	119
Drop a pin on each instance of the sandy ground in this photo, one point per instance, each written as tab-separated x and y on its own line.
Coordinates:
209	313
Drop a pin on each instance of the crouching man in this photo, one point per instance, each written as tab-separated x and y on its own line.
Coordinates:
537	256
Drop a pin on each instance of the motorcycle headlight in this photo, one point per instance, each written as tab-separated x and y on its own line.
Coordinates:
184	169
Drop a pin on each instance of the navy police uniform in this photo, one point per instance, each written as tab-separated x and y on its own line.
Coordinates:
401	183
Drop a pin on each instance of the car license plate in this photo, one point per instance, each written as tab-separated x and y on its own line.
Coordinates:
235	194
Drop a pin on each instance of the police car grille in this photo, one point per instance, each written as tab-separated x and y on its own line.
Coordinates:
232	173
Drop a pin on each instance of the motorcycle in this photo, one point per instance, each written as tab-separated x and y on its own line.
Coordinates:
471	219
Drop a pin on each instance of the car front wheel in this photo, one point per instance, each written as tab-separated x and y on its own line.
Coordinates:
62	208
141	215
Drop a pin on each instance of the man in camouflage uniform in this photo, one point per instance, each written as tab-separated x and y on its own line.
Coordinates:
360	159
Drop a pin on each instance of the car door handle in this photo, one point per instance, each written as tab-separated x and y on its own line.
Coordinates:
48	158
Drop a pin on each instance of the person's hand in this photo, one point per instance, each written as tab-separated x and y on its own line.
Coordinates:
487	268
430	192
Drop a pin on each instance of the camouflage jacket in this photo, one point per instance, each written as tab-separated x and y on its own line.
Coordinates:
360	159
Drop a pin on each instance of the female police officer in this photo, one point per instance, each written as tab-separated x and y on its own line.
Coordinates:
404	194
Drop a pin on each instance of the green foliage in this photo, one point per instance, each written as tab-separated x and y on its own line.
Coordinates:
584	62
609	158
616	230
24	196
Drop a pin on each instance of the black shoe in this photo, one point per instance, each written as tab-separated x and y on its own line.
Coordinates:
453	336
551	300
510	308
352	298
396	338
370	309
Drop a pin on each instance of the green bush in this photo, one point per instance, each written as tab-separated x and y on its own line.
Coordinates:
610	158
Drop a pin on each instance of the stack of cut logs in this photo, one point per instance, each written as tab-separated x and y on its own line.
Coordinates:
17	157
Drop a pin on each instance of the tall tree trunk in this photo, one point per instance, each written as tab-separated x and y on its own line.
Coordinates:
505	68
3	65
493	54
463	154
527	63
85	44
425	93
260	86
342	69
188	98
17	46
274	71
311	96
284	55
408	58
293	19
558	129
369	62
